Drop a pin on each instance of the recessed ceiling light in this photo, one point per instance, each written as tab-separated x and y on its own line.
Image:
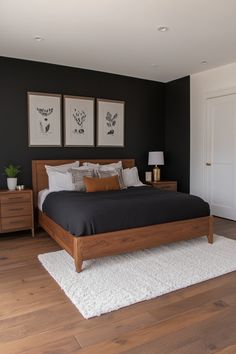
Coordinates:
204	62
163	28
38	39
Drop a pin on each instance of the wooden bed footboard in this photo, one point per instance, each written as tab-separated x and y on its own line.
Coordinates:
111	243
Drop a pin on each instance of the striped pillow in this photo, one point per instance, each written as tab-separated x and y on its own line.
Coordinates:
112	172
78	178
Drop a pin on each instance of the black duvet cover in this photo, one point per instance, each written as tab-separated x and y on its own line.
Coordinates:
83	213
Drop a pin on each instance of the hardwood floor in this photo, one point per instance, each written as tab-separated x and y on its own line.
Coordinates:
36	316
225	227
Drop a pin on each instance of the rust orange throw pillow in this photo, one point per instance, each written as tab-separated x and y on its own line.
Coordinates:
101	184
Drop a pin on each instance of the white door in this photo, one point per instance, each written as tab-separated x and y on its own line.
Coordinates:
220	156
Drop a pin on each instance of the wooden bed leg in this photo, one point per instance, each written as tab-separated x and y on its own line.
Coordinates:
78	265
210	231
78	255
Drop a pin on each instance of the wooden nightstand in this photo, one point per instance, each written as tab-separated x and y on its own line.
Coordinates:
170	185
16	210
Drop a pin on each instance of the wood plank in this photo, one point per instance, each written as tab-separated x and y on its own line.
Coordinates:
43	343
135	338
17	327
225	227
32	296
210	337
61	345
114	329
229	350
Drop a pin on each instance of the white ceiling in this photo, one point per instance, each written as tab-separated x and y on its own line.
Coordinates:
121	36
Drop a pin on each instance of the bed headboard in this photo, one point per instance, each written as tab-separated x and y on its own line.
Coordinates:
40	177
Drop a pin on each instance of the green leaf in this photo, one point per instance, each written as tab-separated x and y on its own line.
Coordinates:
12	171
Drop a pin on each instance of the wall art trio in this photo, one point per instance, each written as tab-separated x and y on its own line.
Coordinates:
45	123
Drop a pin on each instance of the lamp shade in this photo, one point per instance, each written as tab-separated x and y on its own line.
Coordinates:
156	158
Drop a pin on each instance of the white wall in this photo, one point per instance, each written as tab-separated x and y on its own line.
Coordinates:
204	84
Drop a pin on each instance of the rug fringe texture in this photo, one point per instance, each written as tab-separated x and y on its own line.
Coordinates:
110	283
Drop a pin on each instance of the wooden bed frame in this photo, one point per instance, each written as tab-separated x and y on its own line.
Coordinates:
109	243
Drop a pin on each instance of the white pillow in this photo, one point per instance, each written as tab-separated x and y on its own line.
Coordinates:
60	181
62	168
131	177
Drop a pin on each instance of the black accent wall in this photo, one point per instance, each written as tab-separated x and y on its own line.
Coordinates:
177	132
149	115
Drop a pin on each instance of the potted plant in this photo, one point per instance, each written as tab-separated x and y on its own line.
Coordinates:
11	172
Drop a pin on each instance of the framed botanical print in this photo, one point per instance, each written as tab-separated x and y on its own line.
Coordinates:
44	119
78	121
110	123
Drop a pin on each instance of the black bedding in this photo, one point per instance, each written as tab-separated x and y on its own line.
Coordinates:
84	214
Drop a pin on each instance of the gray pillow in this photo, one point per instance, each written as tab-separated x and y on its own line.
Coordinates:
78	178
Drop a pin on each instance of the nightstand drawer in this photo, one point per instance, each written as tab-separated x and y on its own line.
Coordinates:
167	186
17	223
15	209
164	184
17	197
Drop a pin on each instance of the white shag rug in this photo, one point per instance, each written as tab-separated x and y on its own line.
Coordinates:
109	283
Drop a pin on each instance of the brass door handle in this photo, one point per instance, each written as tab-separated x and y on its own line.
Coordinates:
208	164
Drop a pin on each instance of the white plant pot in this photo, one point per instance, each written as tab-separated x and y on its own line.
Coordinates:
11	183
